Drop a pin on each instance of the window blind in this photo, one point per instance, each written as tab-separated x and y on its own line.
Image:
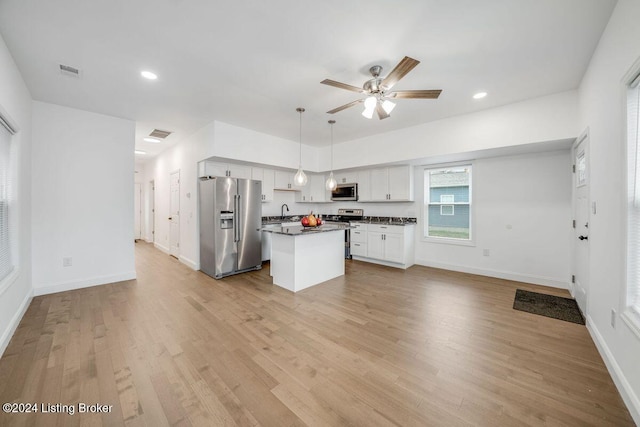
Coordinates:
6	265
633	196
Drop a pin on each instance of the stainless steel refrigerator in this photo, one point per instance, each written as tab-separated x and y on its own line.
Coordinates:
230	223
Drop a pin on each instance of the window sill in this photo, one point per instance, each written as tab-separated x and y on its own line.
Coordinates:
446	241
632	320
8	281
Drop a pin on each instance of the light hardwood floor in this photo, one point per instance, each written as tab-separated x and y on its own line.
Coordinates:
379	346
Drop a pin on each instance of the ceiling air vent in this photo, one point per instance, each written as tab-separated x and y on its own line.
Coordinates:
68	70
162	134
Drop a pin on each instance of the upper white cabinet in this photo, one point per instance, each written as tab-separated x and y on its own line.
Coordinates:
315	191
267	176
284	181
392	184
346	177
227	169
364	186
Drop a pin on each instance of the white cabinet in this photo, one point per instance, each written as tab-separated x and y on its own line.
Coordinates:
284	181
232	170
315	191
267	176
390	245
364	186
392	184
346	177
359	239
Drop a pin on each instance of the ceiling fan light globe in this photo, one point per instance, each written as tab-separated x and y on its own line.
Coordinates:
388	106
331	182
368	113
300	179
370	103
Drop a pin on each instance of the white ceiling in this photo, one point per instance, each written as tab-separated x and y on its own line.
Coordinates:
250	63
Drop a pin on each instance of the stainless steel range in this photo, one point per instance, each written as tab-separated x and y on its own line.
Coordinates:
345	216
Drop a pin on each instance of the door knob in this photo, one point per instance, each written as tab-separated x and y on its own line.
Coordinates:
583	237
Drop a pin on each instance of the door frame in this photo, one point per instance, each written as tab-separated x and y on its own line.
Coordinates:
151	215
177	255
584	138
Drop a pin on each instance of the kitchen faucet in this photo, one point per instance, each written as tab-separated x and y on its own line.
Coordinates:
282	210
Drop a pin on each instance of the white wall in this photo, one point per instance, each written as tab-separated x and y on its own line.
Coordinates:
521	214
15	100
82	202
547	118
601	104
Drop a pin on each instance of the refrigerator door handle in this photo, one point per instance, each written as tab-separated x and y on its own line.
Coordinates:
239	215
235	217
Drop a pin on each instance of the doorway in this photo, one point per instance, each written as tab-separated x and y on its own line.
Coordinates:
581	215
174	214
151	237
137	211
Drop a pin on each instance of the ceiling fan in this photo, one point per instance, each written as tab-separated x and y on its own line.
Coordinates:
378	90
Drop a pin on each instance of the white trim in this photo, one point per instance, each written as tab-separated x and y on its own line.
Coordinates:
15	321
448	241
632	320
162	248
507	275
381	262
624	388
186	261
6	282
86	283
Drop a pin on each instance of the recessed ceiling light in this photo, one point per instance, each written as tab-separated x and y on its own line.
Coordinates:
479	95
149	139
148	75
140	152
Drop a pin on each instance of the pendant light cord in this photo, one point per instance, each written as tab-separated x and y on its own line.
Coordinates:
331	147
300	162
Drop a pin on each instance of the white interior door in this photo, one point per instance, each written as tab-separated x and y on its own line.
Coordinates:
174	218
137	211
581	215
152	212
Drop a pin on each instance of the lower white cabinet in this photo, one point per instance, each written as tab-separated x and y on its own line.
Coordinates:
390	245
359	239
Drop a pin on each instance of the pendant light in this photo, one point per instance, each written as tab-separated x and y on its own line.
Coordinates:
331	183
300	179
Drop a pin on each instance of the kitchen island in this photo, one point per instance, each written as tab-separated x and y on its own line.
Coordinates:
302	257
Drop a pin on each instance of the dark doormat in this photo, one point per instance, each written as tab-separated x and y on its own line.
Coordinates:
548	305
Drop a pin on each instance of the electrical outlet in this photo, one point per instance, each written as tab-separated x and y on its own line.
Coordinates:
613	318
67	261
485	252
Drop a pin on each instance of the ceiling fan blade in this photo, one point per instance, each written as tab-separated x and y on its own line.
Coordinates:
381	113
342	85
345	106
415	94
407	64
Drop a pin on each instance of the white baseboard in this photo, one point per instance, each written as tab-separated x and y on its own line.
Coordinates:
189	263
79	284
162	248
626	391
507	275
15	321
381	262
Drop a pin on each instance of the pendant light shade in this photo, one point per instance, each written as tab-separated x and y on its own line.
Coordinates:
331	183
300	179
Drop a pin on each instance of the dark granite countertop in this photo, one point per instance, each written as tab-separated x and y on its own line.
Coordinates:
299	230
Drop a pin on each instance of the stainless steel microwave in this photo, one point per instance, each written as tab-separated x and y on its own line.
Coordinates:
345	192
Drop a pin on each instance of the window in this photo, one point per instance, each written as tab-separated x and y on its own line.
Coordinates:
633	199
447	206
6	264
